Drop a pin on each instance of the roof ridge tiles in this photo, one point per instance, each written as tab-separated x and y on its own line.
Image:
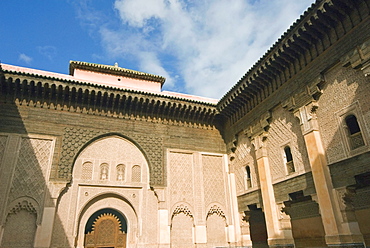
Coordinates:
112	68
68	78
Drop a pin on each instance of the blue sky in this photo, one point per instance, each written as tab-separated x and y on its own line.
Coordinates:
202	47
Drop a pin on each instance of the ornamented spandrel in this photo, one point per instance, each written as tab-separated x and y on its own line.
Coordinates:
73	140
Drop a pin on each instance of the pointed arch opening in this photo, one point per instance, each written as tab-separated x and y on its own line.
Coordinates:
106	228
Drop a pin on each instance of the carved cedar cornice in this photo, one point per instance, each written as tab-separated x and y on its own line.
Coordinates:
304	104
324	23
74	96
359	58
310	93
259	127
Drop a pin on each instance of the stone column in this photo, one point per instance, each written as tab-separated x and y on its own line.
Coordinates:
245	229
338	231
200	227
44	231
200	235
234	233
258	135
164	228
276	236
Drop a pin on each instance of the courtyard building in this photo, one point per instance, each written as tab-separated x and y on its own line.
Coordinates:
103	157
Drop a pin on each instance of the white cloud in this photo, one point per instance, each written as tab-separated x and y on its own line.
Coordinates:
143	10
48	51
210	44
151	64
23	57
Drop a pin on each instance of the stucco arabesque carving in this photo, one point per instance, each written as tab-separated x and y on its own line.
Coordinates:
304	104
216	210
27	204
182	209
75	138
258	133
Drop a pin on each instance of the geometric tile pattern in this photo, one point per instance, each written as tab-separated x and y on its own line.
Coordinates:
242	158
284	131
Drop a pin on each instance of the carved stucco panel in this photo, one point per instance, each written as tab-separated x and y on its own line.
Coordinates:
285	131
243	157
3	139
75	138
31	169
214	180
181	177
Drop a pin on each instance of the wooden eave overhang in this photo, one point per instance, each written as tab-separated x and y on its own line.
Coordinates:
325	22
84	97
115	70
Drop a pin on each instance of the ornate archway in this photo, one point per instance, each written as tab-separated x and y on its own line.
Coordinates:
106	228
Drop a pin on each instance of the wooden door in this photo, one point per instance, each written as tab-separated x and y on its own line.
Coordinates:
106	233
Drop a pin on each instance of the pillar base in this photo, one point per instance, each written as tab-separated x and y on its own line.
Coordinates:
281	243
354	245
282	246
344	241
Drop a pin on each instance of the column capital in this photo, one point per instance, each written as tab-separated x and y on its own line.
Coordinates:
346	197
246	216
257	133
307	117
308	94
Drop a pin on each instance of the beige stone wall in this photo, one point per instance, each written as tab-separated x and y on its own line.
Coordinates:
25	166
84	139
198	193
